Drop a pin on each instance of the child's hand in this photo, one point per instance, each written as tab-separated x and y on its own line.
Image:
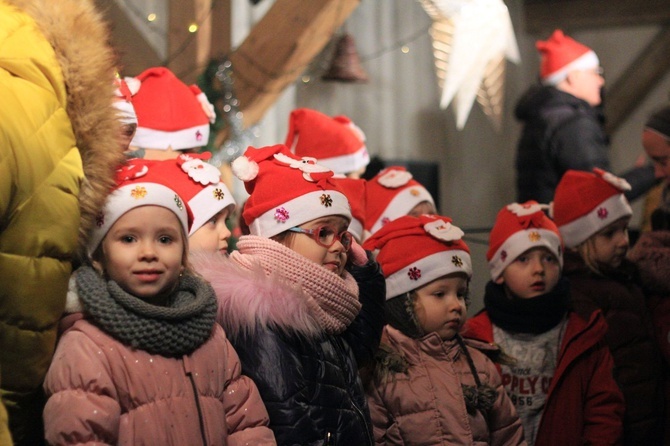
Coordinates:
357	255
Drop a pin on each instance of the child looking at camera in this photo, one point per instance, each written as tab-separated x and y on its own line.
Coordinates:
554	364
429	386
141	359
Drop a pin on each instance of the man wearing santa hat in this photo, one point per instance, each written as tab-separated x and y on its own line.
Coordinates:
563	122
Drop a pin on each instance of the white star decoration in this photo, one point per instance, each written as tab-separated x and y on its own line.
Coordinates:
471	40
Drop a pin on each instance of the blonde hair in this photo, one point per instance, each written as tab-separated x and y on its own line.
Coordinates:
586	251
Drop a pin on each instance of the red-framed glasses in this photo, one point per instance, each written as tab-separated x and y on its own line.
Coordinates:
326	236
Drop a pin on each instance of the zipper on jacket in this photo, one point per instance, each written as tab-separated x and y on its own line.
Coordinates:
342	357
187	369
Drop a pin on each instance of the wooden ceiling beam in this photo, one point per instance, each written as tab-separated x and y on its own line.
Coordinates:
280	47
639	78
543	16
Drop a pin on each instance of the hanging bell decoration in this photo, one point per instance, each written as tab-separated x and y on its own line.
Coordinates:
346	65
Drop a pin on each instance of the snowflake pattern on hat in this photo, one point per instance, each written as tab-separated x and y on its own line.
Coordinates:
602	213
281	215
326	200
414	273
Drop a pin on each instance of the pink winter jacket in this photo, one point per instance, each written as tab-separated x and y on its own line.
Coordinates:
103	392
425	405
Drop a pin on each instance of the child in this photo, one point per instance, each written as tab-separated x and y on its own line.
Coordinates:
208	198
393	193
290	305
145	362
592	214
557	370
430	388
123	103
336	143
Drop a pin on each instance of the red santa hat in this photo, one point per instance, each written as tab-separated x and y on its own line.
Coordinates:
199	184
170	113
414	251
586	202
123	102
392	193
138	183
354	189
286	191
336	143
518	228
560	54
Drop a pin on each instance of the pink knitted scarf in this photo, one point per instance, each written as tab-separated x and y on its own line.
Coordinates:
332	300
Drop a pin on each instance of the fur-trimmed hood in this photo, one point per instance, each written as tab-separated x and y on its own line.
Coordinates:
250	299
79	36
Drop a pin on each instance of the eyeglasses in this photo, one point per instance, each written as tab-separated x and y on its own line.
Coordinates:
326	236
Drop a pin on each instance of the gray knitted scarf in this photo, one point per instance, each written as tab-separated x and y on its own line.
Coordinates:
172	331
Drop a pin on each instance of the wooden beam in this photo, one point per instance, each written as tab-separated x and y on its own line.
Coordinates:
543	16
641	76
280	47
138	54
189	52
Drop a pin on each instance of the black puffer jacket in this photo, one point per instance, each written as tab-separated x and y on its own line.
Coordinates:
309	381
630	338
563	132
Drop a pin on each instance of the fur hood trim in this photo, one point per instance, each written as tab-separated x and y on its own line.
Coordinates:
79	36
250	299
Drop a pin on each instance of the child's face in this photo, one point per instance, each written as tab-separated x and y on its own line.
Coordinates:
440	305
333	258
143	253
533	273
425	207
212	236
610	244
658	149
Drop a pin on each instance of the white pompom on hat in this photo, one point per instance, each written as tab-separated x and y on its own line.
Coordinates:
337	143
286	191
586	202
561	54
518	228
414	251
170	113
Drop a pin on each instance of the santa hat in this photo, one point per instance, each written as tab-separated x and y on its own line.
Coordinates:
138	183
392	193
518	228
123	94
354	189
170	113
560	54
336	143
286	191
199	184
586	202
414	251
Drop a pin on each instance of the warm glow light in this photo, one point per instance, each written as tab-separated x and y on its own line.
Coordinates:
151	17
305	79
405	49
192	28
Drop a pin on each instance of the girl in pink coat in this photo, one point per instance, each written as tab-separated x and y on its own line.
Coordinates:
429	387
143	361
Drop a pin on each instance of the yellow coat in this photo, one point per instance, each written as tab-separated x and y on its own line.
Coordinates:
57	127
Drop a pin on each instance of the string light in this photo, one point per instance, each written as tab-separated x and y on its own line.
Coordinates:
151	17
193	27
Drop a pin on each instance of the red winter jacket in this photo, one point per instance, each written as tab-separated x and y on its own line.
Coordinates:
584	404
